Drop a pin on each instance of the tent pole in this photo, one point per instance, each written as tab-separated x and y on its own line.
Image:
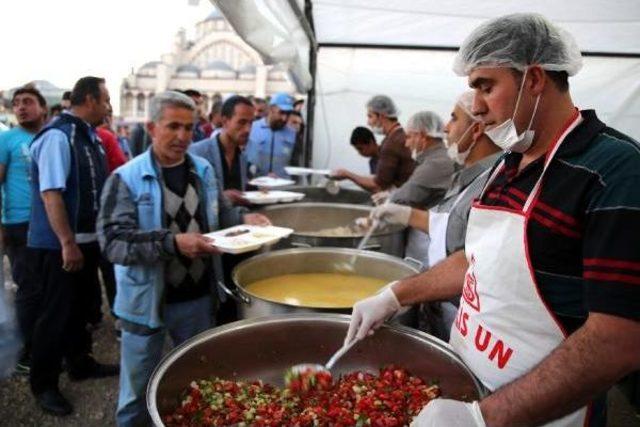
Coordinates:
306	22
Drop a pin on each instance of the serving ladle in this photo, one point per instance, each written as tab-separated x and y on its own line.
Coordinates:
316	367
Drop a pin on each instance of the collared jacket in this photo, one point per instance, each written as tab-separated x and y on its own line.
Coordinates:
134	237
209	149
269	150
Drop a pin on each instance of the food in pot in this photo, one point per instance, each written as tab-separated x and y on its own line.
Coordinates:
391	398
340	231
318	290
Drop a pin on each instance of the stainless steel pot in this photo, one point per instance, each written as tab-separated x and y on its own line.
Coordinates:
313	260
321	195
264	348
307	219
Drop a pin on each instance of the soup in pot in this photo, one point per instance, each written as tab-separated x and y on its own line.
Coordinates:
318	290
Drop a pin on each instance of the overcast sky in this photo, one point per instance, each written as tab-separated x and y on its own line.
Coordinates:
63	40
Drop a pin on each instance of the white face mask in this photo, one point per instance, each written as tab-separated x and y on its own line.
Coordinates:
452	148
506	135
377	130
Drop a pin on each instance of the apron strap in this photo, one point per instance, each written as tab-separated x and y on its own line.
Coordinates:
533	195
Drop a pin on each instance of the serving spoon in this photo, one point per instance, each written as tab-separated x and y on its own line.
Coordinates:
316	367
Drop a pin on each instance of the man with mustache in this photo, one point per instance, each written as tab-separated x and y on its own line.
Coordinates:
155	211
271	142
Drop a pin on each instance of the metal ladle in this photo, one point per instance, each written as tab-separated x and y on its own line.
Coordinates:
316	367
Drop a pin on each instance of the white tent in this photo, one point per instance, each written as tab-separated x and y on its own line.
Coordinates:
345	51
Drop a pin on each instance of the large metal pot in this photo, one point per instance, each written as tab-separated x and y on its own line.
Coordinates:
310	260
264	348
308	219
321	195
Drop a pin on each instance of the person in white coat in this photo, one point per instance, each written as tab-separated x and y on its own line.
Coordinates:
549	316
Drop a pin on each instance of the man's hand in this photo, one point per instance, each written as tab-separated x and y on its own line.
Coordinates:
450	413
340	174
195	245
369	313
256	219
236	198
392	213
72	258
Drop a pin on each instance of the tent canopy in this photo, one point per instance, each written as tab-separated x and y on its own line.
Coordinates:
345	51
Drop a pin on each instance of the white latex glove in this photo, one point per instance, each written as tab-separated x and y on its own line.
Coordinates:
450	413
392	213
380	197
369	313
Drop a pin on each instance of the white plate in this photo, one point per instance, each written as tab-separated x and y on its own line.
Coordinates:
252	238
274	196
295	170
268	181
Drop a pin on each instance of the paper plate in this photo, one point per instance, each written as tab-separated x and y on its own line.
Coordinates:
246	238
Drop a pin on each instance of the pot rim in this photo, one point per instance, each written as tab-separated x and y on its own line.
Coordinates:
177	352
323	249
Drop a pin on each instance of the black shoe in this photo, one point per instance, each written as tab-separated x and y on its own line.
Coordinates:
22	369
53	402
23	366
93	370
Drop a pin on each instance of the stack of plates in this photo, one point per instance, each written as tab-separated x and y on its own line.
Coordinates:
268	181
274	196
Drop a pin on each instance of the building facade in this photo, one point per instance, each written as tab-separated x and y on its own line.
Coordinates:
217	63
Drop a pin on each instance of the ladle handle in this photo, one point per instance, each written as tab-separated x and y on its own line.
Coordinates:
339	354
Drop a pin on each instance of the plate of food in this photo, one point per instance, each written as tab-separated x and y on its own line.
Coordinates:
296	170
274	196
246	238
269	182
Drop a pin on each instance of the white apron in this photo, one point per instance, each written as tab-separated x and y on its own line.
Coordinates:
503	328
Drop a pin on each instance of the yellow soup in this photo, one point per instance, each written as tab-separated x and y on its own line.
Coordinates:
320	290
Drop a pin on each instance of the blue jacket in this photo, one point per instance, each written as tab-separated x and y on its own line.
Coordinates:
208	148
269	150
133	235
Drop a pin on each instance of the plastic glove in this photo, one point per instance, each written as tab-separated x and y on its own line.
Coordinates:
450	413
369	313
380	197
392	213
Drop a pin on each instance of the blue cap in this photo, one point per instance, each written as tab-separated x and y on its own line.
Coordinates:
283	101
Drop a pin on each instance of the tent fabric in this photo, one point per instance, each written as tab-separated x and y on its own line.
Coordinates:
354	61
273	30
422	80
598	25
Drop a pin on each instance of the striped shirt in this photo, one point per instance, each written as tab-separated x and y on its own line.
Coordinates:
584	232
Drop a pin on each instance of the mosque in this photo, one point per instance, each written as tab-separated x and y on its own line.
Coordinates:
217	63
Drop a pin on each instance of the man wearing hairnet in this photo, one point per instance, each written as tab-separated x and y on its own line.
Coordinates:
434	169
549	316
395	164
440	231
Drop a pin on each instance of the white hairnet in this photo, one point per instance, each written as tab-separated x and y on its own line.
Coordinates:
427	122
382	104
465	101
517	41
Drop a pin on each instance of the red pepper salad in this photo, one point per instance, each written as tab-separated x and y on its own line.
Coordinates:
391	398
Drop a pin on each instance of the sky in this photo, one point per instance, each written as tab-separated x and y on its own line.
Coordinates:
63	40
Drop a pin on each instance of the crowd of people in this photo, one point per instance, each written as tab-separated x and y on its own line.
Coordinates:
84	204
522	209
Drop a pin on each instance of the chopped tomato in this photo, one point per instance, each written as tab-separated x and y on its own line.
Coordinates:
391	398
